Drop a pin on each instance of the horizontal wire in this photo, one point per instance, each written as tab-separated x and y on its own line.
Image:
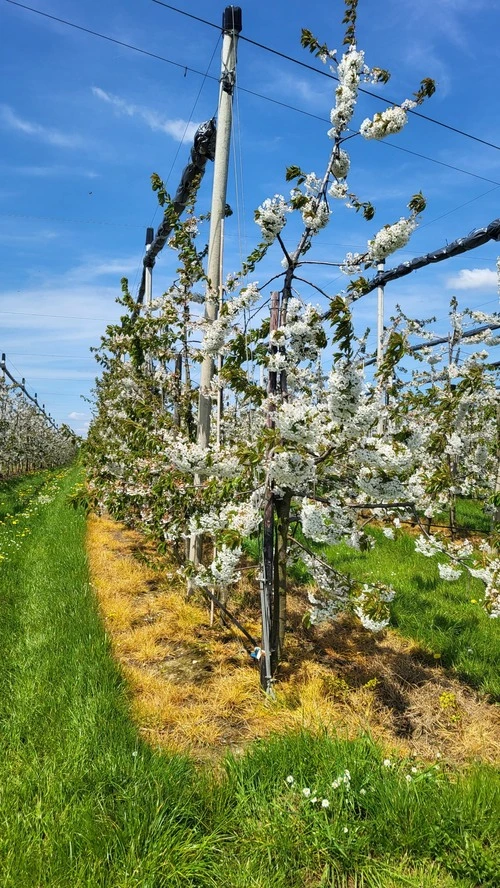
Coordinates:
249	91
332	77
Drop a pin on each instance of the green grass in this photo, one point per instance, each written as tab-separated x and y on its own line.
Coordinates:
378	824
470	515
17	492
445	617
82	800
84	803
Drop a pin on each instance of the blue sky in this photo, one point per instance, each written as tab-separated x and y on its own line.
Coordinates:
84	123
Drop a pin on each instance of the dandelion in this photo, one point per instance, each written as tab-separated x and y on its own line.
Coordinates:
314	800
290	780
408	778
414	770
386	763
325	803
345	829
306	792
362	791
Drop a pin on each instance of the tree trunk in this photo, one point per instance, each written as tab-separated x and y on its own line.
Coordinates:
268	554
278	626
177	390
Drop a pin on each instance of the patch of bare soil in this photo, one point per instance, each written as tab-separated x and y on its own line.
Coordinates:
194	687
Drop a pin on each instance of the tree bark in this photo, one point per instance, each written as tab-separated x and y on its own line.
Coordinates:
278	626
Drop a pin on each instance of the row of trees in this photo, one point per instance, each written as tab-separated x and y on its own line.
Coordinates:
297	449
28	440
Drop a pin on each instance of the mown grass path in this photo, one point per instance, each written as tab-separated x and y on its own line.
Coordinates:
84	803
81	802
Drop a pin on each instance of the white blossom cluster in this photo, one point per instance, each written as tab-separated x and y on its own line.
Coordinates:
333	594
341	164
449	573
291	471
454	445
345	386
217	332
427	545
296	340
244	517
393	459
195	459
271	217
372	606
325	523
391	238
315	214
338	190
301	422
386	123
28	440
349	71
351	263
315	211
325	610
223	571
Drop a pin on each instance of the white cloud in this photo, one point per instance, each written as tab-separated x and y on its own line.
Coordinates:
58	311
55	171
45	134
318	94
8	237
82	430
473	279
177	128
76	415
450	19
94	267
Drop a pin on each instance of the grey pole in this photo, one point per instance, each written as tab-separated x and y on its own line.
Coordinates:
380	318
231	26
148	270
380	340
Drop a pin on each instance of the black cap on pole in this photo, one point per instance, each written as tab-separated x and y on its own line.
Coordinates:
150	236
231	19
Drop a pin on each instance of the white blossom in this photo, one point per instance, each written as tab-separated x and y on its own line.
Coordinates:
349	71
384	123
391	238
271	217
341	164
449	573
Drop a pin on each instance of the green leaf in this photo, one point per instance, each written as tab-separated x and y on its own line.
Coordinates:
418	203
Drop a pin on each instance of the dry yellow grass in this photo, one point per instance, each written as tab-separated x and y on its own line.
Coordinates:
194	688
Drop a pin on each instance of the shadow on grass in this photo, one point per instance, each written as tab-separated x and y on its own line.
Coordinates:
400	678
